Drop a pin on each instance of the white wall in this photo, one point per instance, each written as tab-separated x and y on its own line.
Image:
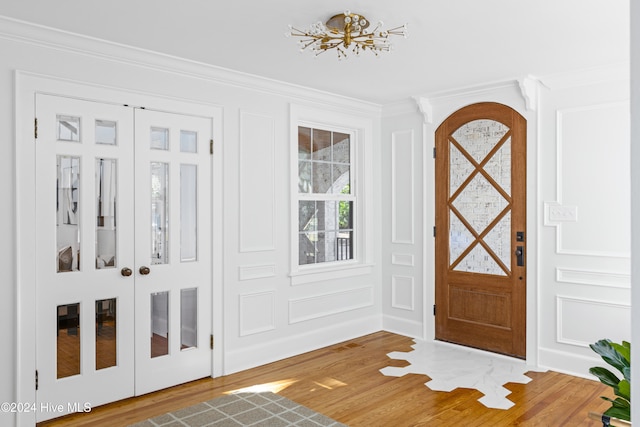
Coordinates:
585	204
635	196
265	318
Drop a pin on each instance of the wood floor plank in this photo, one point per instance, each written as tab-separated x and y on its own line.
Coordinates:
344	382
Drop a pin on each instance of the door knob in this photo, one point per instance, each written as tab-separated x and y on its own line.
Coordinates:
126	272
520	256
144	270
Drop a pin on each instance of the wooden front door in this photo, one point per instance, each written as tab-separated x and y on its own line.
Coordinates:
480	229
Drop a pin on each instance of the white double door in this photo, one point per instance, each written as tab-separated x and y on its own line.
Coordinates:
123	252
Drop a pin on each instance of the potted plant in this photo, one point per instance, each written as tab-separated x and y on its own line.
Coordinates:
618	356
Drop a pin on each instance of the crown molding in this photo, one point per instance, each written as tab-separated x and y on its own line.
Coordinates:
55	39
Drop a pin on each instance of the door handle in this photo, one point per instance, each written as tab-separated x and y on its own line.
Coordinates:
144	270
520	256
126	272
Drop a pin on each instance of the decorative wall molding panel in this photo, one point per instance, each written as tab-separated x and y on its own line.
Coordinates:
402	259
257	182
608	198
402	183
402	292
596	278
314	307
314	276
250	272
582	321
257	313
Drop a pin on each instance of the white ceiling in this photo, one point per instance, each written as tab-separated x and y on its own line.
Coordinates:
451	43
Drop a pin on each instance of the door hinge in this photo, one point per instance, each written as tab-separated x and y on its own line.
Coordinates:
434	231
211	146
434	152
434	309
35	128
36	379
211	341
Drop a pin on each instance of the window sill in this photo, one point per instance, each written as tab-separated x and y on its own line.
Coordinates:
320	274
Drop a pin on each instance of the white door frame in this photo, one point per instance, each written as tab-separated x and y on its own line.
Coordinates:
26	86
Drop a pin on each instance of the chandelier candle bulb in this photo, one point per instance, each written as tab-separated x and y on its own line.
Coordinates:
346	33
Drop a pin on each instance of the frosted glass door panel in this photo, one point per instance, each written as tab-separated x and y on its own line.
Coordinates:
188	212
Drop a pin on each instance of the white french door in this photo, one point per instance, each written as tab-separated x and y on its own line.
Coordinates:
123	252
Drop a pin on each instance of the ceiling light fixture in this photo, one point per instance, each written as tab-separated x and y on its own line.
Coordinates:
346	32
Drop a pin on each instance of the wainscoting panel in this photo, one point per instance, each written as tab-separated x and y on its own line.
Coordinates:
249	272
257	313
402	259
595	278
403	194
608	198
402	292
257	183
582	322
329	304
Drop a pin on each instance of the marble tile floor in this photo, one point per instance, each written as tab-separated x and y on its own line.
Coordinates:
452	366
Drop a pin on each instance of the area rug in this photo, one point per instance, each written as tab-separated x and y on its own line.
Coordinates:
451	366
243	409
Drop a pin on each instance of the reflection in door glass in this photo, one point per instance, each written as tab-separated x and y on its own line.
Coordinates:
159	139
68	128
106	132
68	340
188	212
188	318
159	213
68	213
188	141
105	333
106	185
159	324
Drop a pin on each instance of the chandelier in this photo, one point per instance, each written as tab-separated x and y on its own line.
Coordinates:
346	32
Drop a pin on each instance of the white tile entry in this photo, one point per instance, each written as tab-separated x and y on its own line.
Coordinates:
451	366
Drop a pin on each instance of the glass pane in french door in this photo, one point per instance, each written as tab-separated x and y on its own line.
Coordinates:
173	246
84	232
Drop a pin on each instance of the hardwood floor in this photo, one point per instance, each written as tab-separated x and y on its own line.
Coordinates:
343	382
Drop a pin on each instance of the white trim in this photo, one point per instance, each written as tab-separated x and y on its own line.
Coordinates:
403	259
361	129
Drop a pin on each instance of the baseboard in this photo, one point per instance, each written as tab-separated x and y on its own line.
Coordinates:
293	345
568	363
397	325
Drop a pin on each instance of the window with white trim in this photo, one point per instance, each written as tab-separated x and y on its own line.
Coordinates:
326	195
